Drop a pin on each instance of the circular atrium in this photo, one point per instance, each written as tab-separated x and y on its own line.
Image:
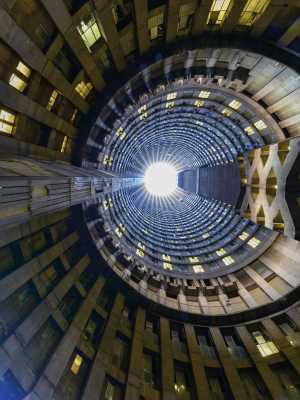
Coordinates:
149	200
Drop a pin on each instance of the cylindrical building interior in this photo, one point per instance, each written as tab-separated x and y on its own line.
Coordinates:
149	199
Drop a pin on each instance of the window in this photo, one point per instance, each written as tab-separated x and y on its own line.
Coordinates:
74	116
204	94
252	10
249	130
235	104
142	112
218	11
107	160
205	235
7	122
172	96
166	263
260	125
168	266
64	144
84	89
140	250
228	260
198	268
199	103
266	348
19	79
89	31
17	83
221	252
76	364
155	26
23	69
120	230
120	133
170	104
227	112
243	236
52	100
253	242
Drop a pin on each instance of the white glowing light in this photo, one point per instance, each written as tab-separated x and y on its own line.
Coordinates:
161	179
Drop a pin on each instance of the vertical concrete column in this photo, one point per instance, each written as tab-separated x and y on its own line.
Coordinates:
135	373
141	20
261	365
281	342
60	15
270	292
295	316
167	362
103	359
272	10
47	383
233	17
243	292
13	281
104	12
30	53
230	370
200	379
172	20
201	15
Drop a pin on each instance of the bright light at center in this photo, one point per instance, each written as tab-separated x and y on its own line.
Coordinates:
161	179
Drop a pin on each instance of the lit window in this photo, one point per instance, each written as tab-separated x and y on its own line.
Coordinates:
185	14
198	268
243	236
120	133
84	89
76	364
193	259
199	103
228	260
142	109
235	104
168	266
74	116
218	11
227	112
140	251
17	83
221	252
7	121
107	160
166	257
142	112
249	130
89	31
119	232
205	235
155	26
252	10
172	96
266	348
107	204
200	123
260	125
23	69
204	94
253	242
170	104
52	100
64	144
